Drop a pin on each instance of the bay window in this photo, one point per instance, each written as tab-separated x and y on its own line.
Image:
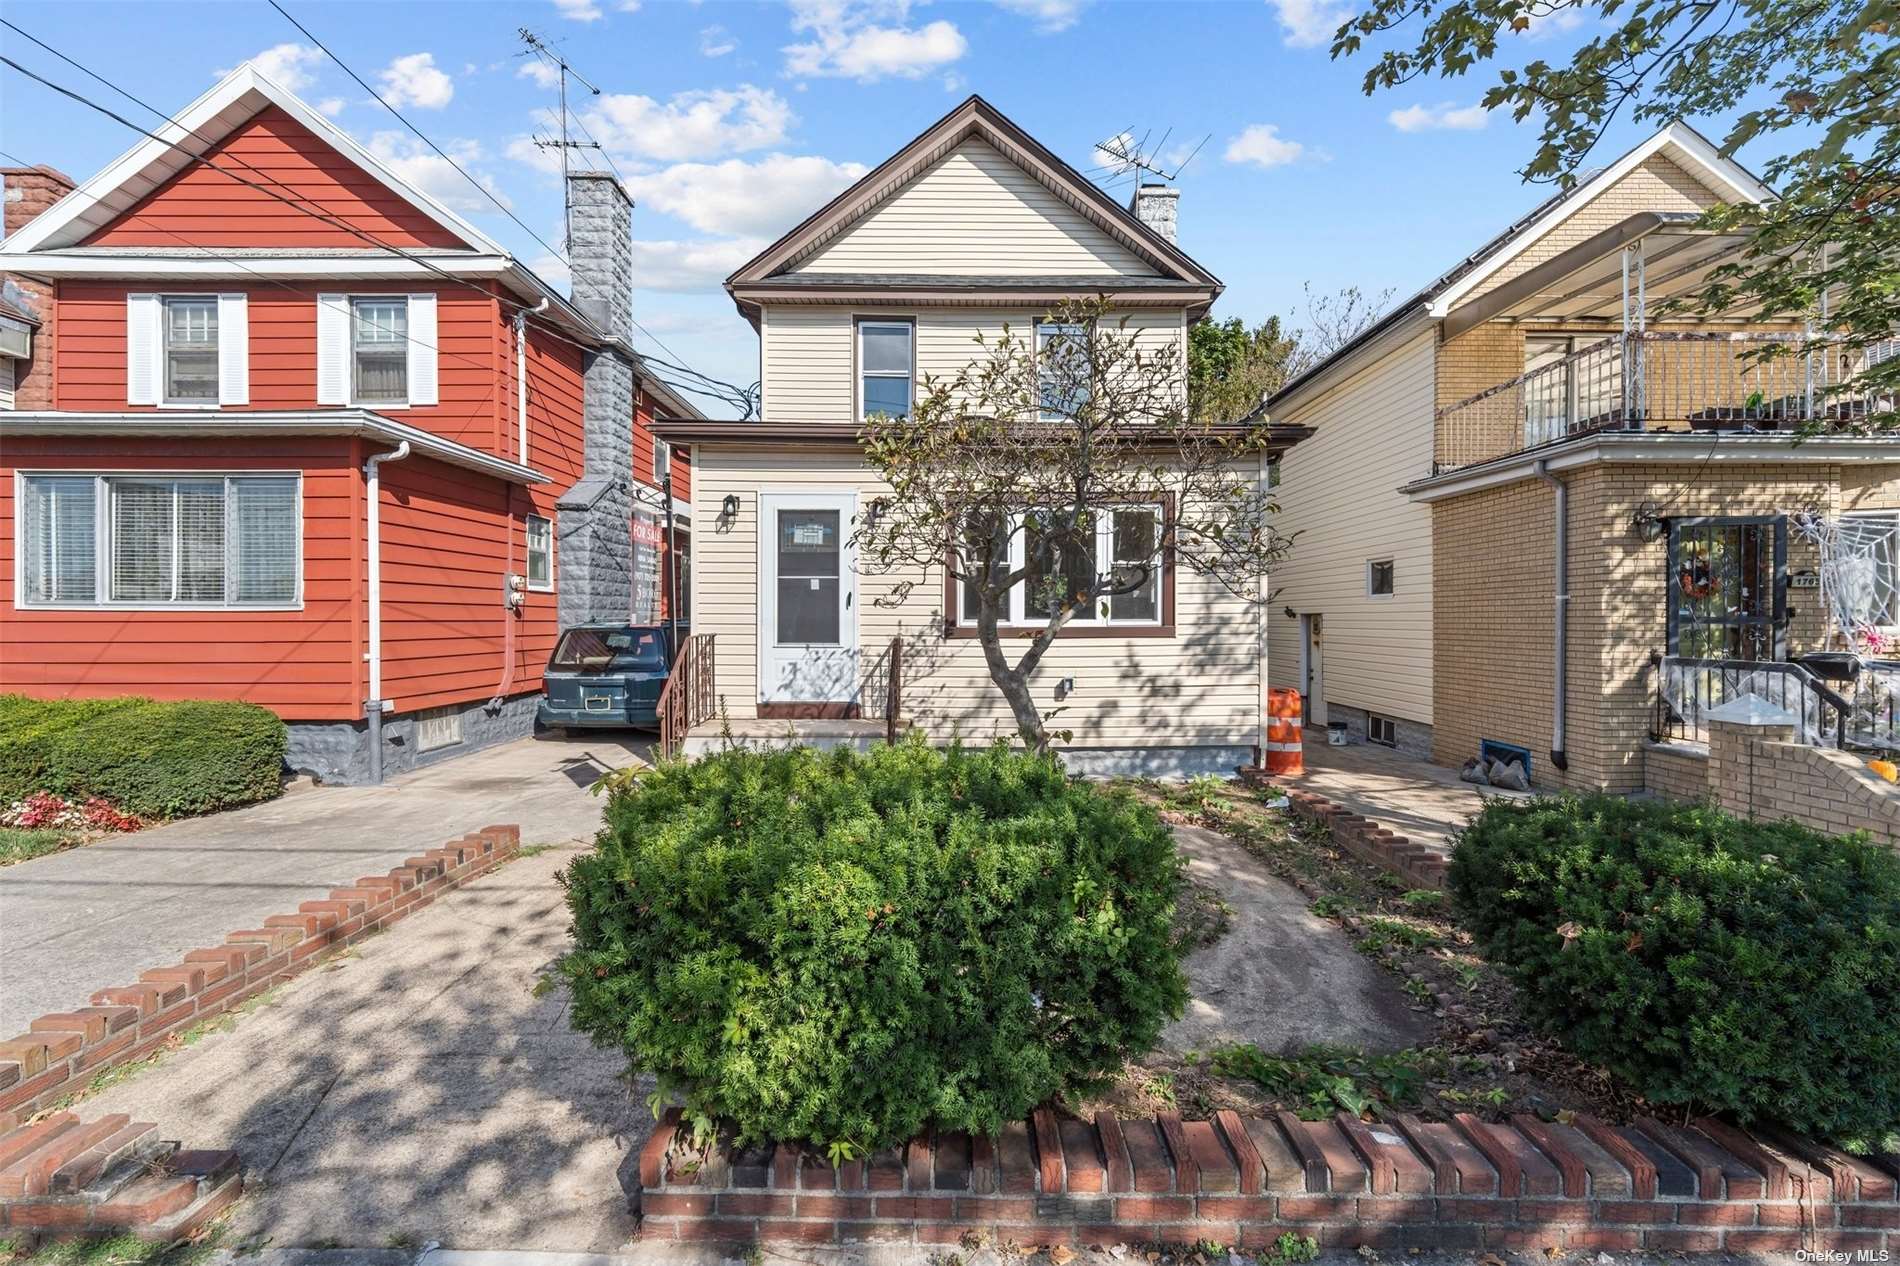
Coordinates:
160	540
1121	544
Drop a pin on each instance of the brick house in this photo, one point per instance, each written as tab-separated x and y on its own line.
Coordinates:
1530	501
283	428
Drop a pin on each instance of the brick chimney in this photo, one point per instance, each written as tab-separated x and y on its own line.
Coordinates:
596	544
24	193
1157	206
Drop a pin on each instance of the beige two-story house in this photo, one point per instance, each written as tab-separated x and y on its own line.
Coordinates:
1543	520
971	227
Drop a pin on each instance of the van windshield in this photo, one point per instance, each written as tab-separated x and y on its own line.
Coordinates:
609	650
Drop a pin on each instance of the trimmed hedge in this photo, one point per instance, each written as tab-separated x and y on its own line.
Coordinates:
152	759
842	949
1705	960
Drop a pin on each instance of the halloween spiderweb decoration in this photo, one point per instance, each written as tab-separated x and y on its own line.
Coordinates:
1857	577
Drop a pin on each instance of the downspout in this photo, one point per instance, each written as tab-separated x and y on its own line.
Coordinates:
372	475
1560	669
510	611
521	378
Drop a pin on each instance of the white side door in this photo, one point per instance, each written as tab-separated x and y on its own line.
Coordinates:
808	610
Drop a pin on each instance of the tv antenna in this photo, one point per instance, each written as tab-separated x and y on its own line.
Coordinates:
538	47
1126	154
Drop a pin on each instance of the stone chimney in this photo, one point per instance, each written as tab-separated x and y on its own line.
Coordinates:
24	193
1157	206
596	544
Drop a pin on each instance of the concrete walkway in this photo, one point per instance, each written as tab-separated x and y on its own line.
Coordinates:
97	916
1412	797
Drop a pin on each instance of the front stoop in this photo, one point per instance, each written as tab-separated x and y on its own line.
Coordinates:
1425	865
62	1177
1398	1184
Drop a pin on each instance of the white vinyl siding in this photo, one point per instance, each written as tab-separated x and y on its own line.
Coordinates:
808	360
975	213
1339	491
1199	687
159	540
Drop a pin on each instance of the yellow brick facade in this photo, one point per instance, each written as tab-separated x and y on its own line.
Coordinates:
1759	772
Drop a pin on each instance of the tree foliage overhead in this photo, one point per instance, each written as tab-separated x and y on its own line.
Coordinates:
1814	84
1002	474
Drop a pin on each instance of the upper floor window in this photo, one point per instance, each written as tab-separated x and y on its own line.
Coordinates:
885	368
662	460
191	349
1063	370
160	540
379	350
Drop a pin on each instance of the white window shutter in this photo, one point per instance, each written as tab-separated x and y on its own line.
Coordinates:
333	349
234	349
142	315
422	357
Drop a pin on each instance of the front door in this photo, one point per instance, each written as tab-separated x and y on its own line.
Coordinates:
808	619
1728	581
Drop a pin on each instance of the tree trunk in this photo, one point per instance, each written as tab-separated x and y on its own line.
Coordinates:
1013	682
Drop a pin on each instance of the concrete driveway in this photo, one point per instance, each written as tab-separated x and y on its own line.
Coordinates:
97	916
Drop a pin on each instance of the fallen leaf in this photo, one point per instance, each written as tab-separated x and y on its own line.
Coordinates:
1634	943
1061	1254
1491	1259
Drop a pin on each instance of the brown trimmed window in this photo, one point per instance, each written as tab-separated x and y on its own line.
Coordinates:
1116	540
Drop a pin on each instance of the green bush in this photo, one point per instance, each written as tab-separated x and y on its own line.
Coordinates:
156	760
841	949
1703	959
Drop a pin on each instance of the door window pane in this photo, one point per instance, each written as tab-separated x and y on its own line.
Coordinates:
379	341
58	539
809	557
1136	546
191	351
1061	564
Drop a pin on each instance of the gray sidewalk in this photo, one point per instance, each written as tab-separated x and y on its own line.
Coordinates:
97	916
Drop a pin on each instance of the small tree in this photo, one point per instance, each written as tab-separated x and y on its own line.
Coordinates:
1030	444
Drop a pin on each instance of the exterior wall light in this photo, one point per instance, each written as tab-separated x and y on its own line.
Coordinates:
729	508
1648	524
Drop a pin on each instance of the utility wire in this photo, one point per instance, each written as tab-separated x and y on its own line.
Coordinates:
486	192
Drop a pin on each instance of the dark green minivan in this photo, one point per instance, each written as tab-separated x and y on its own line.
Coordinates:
607	675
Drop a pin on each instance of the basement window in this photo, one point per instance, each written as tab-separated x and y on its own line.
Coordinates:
438	727
1381	730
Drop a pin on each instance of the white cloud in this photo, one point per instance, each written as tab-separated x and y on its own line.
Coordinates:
435	175
1050	15
578	10
690	266
553	270
1539	26
1311	23
1443	117
690	125
750	199
331	106
1262	145
716	41
868	40
289	66
544	75
415	80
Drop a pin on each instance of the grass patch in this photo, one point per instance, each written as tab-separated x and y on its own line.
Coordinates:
533	850
1383	932
18	844
1322	1079
1201	916
112	1250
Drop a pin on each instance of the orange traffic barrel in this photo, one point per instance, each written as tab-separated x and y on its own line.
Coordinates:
1284	755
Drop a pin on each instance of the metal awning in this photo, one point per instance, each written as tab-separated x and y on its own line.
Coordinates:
1586	282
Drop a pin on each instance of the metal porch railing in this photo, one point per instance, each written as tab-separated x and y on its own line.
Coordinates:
881	690
1687	689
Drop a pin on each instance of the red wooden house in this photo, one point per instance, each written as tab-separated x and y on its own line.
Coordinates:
288	430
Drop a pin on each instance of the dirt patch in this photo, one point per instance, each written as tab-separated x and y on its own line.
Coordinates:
1456	1042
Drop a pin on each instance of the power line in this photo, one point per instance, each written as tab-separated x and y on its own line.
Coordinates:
486	192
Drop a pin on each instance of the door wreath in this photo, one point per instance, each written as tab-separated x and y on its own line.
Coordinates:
1698	580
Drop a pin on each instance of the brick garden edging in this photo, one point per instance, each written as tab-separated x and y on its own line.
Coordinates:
64	1177
62	1052
1529	1184
1422	864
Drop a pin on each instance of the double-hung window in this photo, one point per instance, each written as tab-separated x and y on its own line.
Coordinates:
885	364
1120	547
540	553
1063	369
379	350
160	540
191	349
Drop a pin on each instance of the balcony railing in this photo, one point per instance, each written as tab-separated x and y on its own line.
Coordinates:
1690	380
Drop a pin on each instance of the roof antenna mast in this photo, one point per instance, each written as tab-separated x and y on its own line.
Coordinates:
538	47
1126	154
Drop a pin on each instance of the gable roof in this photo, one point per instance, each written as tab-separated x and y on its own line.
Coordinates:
978	119
226	106
1679	142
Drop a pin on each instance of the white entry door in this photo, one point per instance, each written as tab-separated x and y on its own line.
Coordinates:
808	610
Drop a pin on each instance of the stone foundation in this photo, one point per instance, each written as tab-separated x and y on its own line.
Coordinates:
1414	739
337	752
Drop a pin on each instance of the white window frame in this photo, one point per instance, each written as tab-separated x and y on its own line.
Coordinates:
528	538
1374	720
102	540
1069	327
859	325
1391	593
1892	519
349	351
1104	549
164	349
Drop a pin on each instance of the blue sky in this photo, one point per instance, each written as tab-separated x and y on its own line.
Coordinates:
731	121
